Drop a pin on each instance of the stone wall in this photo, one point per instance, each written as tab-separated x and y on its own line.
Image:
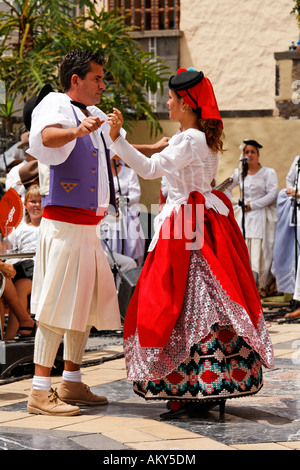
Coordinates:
233	42
288	84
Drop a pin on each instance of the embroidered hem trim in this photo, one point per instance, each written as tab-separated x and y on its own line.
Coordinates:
205	304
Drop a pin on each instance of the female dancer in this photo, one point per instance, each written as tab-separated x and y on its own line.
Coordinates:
260	194
194	332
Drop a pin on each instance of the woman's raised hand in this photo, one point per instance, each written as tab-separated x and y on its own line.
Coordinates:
115	120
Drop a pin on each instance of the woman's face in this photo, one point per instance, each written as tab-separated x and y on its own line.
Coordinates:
175	104
252	153
116	159
33	206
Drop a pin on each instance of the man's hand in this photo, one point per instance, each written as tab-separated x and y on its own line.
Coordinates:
161	144
150	149
55	136
88	125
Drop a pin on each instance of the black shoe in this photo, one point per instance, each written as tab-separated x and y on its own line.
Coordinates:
194	409
184	410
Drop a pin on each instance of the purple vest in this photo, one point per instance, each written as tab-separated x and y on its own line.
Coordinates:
74	183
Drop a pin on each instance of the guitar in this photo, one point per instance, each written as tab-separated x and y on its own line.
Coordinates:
226	183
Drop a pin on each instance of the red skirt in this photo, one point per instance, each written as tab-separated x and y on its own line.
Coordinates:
150	333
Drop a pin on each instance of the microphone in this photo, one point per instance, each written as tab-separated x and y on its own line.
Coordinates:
246	159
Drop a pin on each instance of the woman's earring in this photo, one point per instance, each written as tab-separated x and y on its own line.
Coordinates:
182	110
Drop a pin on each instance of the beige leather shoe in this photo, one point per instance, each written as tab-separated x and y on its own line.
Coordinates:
78	392
41	402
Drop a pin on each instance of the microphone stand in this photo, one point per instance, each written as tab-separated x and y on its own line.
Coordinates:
2	131
116	268
295	215
3	148
116	171
294	202
121	214
242	200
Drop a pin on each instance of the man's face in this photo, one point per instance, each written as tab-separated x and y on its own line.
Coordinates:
89	89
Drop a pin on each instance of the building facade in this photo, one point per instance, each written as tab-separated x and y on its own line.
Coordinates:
236	44
156	26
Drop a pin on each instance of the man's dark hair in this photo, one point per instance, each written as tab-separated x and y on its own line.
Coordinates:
77	62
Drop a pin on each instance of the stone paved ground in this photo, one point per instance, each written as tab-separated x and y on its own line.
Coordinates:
268	420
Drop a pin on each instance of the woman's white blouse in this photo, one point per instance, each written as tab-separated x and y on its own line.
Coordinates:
187	163
261	191
291	177
23	239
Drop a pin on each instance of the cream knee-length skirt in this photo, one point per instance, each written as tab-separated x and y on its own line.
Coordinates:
73	285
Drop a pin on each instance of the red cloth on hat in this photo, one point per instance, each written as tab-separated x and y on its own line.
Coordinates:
203	94
158	297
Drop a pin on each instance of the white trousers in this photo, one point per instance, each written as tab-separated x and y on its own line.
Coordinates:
47	342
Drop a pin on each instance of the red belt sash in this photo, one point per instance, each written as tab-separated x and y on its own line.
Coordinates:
72	215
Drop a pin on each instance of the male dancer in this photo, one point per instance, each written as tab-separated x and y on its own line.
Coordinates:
73	287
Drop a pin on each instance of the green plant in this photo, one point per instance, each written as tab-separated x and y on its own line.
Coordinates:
45	31
296	11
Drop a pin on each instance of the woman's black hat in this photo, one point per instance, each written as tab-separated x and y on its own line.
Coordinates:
253	142
185	80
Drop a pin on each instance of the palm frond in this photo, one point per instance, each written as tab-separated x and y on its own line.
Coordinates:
48	30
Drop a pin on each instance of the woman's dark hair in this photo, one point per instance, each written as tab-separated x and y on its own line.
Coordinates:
213	132
211	128
78	62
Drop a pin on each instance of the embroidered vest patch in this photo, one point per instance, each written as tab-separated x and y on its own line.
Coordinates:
68	186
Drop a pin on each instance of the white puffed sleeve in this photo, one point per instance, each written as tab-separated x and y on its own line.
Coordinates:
291	176
175	156
54	109
271	186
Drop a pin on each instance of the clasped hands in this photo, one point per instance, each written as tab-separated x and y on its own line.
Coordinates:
115	120
291	192
92	123
247	207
